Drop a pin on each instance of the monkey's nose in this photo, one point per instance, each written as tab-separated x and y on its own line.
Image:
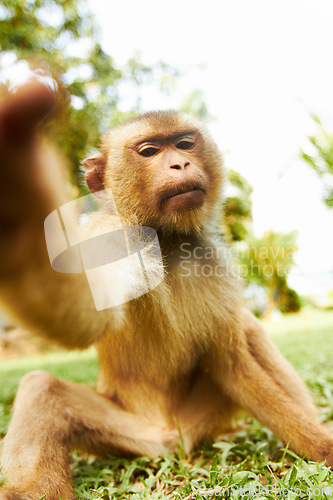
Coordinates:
180	165
176	161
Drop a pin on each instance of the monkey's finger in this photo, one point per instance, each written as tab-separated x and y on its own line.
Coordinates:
23	111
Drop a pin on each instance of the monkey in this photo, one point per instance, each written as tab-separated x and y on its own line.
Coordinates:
185	357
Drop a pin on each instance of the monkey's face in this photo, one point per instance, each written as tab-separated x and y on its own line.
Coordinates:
177	183
164	172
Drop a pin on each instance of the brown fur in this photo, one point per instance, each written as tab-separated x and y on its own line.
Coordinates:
186	355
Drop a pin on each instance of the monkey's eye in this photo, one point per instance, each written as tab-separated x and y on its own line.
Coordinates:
185	143
148	150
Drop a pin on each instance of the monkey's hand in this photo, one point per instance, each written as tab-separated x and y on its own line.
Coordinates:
25	193
21	111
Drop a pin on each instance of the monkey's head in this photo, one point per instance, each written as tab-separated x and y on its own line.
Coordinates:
164	171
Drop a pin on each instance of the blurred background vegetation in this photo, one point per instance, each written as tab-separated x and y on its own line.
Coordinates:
90	102
321	161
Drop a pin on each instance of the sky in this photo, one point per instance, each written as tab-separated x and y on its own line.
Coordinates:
263	68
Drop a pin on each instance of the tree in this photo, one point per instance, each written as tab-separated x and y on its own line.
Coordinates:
322	159
237	217
267	262
60	38
45	33
195	104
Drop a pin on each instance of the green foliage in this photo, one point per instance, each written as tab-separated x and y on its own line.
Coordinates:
49	34
322	159
267	262
237	217
289	300
272	254
25	26
194	103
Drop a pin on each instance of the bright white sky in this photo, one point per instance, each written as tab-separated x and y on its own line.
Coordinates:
264	67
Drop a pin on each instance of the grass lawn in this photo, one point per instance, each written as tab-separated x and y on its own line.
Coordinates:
251	463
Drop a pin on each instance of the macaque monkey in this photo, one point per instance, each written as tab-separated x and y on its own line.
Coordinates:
186	356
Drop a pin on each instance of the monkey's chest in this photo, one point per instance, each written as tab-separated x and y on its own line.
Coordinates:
168	332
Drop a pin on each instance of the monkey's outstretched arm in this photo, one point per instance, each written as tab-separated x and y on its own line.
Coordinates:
56	305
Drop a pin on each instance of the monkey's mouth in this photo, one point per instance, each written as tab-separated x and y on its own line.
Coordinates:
183	197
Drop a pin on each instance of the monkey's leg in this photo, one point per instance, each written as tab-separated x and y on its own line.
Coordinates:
205	413
52	416
254	389
268	356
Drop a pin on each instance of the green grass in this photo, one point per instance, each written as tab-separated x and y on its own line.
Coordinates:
80	367
250	463
306	340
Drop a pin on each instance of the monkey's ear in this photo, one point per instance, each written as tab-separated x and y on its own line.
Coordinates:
95	168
